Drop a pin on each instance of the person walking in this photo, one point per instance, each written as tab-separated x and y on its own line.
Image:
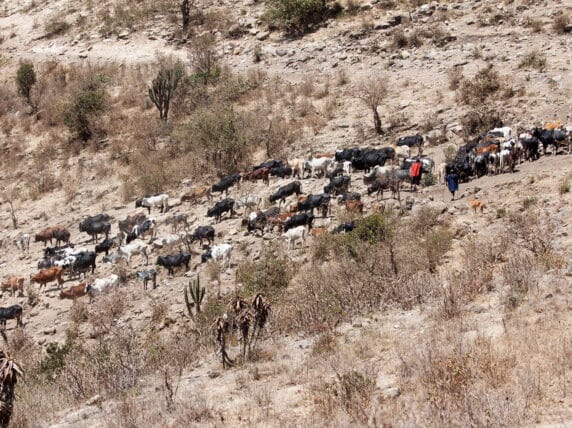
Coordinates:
452	181
415	174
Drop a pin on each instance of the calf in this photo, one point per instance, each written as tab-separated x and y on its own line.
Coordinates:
318	165
354	206
168	241
23	242
285	191
83	262
269	164
345	227
225	183
281	171
251	202
161	200
202	232
317	231
45	235
100	285
10	313
172	261
226	205
105	246
13	283
348	197
299	220
410	141
48	275
126	226
218	253
259	174
146	276
128	251
338	185
197	193
142	230
75	291
176	220
295	234
311	202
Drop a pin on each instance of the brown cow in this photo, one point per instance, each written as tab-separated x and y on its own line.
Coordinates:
75	291
47	275
197	193
316	231
258	174
13	283
279	220
45	235
493	148
355	206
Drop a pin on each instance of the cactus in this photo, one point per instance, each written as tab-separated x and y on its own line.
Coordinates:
197	294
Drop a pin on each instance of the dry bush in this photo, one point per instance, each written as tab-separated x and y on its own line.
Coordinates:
105	312
536	25
269	275
535	60
455	75
158	312
307	86
521	274
79	312
561	23
325	344
480	120
482	86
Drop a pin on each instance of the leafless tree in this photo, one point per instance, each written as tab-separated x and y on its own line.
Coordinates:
372	92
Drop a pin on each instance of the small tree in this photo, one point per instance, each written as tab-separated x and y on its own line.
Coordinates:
88	102
204	59
372	93
164	87
297	16
26	79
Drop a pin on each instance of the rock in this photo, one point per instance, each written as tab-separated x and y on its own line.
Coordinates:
392	392
281	52
124	35
262	35
83	55
50	331
235	30
404	54
93	400
382	25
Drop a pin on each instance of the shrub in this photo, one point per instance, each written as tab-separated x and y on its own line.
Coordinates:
483	85
296	17
204	60
455	75
564	187
533	60
25	79
87	103
270	275
480	120
164	87
55	27
372	93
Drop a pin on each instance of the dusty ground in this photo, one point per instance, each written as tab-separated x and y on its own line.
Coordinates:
266	391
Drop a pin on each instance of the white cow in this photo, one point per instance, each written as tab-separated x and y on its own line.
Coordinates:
100	285
219	253
128	251
295	234
168	241
23	242
318	165
160	200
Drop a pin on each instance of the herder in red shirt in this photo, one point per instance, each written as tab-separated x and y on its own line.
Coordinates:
415	173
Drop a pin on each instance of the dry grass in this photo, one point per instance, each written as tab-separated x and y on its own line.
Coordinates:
534	60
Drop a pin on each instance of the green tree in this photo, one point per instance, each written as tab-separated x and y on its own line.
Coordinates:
26	79
296	16
87	103
164	87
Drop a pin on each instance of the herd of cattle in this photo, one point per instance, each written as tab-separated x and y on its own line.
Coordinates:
384	169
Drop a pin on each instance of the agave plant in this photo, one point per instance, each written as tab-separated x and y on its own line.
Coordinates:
9	372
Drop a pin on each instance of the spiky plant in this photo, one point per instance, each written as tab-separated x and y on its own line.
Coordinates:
9	372
197	294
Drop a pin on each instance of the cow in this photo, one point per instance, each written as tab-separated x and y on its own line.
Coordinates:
281	171
317	231
45	235
146	276
297	166
258	174
200	233
410	141
168	241
347	154
218	253
172	261
197	193
348	197
61	235
226	205
13	283
126	226
141	230
128	251
176	220
99	218
10	313
299	220
369	159
283	192
250	202
225	183
338	185
256	221
269	164
94	229
278	220
295	234
105	246
161	200
311	202
83	262
320	165
99	285
381	184
48	275
75	291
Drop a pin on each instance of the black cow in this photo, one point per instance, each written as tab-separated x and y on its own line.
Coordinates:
83	261
347	154
220	208
104	246
281	171
141	230
299	220
411	141
99	218
315	201
170	262
463	170
202	232
225	183
271	164
549	138
61	236
345	227
146	276
95	228
368	160
337	185
258	223
481	164
285	191
10	313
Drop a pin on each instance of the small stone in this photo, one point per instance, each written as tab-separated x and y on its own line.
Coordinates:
123	35
262	35
393	392
404	54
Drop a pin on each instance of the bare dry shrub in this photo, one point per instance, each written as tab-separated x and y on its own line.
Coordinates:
105	312
325	344
533	59
307	86
480	120
269	275
455	75
79	312
561	23
196	409
521	274
158	312
482	86
536	25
